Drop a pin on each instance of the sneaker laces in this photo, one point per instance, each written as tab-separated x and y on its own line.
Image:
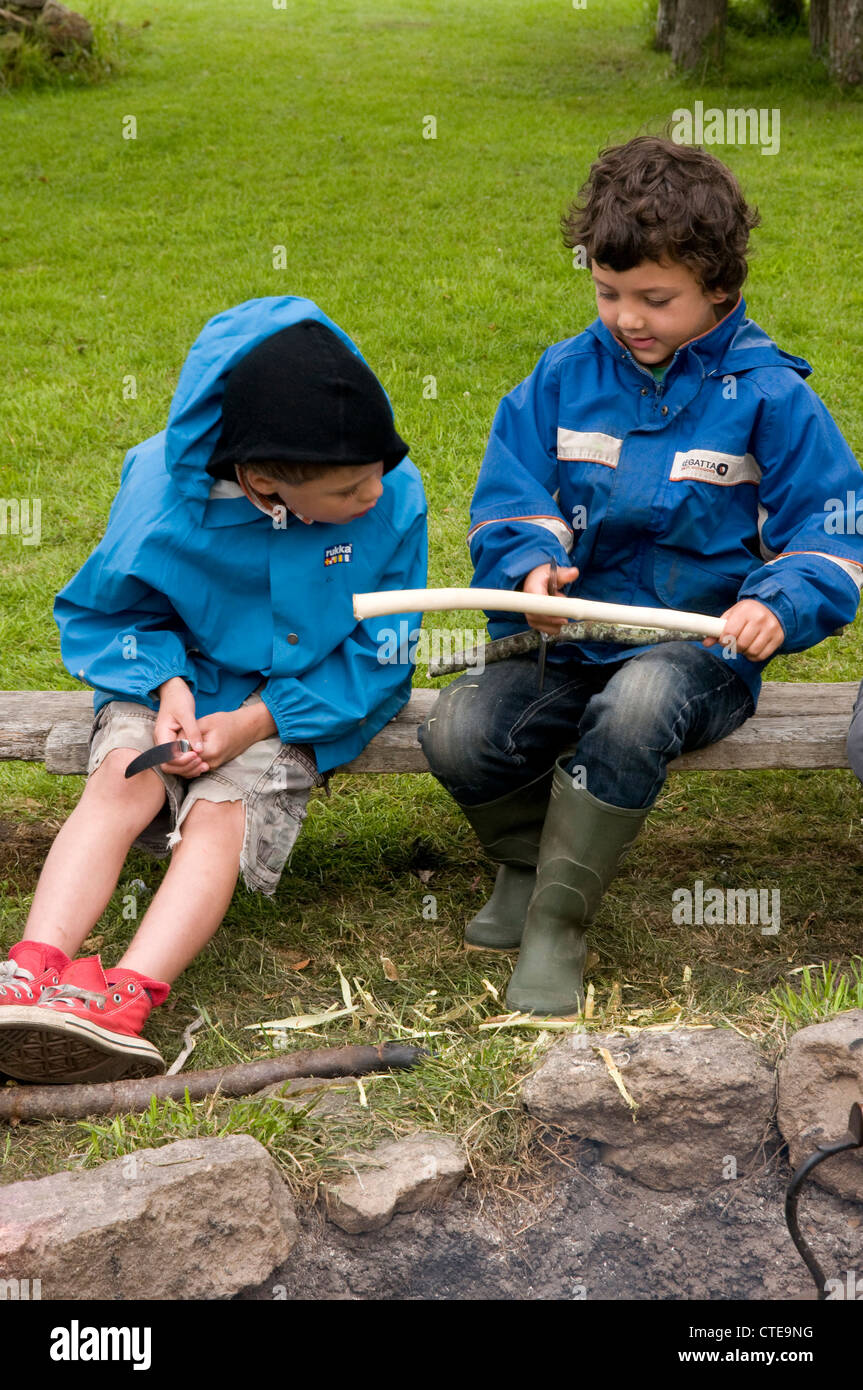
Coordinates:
10	970
70	991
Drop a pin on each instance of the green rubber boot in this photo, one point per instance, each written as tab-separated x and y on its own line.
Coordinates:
582	844
509	831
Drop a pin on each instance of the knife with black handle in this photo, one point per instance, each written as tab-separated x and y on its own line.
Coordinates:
161	753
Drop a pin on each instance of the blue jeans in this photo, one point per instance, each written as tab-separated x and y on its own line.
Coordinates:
493	731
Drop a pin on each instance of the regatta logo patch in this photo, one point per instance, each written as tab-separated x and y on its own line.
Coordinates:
710	466
339	554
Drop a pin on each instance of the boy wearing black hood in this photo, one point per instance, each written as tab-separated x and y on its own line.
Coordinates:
217	609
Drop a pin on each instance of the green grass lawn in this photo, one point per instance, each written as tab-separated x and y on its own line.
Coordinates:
303	128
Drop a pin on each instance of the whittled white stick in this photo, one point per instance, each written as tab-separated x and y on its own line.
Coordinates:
508	601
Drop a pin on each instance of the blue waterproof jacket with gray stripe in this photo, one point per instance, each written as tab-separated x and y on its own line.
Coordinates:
727	480
192	579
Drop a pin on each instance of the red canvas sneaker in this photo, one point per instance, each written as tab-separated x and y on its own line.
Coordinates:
32	966
85	1029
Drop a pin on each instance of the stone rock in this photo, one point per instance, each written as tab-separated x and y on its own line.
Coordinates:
704	1101
67	29
399	1175
820	1077
199	1219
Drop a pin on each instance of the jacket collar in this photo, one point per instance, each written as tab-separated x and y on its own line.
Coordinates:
709	347
228	505
263	503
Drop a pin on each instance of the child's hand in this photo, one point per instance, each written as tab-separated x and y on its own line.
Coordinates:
537	583
226	735
176	719
757	633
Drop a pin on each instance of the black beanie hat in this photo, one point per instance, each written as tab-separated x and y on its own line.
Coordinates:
301	396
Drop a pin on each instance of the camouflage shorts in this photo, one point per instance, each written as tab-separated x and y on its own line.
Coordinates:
272	779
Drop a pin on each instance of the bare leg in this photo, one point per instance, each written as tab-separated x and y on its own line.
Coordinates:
194	894
87	856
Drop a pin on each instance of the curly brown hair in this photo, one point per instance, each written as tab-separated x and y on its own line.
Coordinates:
652	199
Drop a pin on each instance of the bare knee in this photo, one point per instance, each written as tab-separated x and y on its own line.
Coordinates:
109	780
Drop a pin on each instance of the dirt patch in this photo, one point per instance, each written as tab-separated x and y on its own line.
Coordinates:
586	1233
23	848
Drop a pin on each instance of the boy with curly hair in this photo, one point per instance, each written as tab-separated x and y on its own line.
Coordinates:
671	455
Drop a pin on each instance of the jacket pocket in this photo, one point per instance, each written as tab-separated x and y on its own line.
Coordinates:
680	583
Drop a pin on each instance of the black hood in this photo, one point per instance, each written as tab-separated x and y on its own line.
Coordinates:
302	396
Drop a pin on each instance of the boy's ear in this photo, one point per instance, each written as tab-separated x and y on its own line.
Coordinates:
259	481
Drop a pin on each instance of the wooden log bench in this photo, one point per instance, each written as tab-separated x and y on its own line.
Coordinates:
798	724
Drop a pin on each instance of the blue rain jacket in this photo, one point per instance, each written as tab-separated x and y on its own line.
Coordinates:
208	588
727	480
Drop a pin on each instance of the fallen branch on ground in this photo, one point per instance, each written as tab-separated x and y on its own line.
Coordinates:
121	1097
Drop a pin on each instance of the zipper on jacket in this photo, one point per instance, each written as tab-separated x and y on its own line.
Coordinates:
657	385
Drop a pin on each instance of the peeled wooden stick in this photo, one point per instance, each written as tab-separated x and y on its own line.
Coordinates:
123	1097
509	601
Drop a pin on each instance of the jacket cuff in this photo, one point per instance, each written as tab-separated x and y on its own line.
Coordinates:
780	606
167	676
516	569
149	687
279	714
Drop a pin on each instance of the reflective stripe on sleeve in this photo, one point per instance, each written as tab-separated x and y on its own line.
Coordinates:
851	567
558	528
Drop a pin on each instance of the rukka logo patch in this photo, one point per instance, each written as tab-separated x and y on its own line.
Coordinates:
709	466
339	554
